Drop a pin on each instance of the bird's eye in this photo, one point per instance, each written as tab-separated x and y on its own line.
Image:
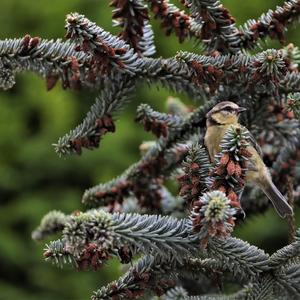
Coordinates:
228	108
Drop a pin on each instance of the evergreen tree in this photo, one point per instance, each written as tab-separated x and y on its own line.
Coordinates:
180	239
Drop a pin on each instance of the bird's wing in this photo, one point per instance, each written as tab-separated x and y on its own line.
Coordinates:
255	144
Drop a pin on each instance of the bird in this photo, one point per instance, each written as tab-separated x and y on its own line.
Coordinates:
218	120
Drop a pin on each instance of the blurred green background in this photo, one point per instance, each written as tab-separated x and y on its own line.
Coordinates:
34	180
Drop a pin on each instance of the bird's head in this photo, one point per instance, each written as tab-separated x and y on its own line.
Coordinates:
224	113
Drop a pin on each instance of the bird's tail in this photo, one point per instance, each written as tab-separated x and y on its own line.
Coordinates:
277	199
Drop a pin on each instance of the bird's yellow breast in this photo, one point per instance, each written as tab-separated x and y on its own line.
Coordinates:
213	137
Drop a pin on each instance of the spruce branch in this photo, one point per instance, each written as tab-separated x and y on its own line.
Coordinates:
213	216
52	59
146	44
56	253
108	51
287	254
52	222
293	104
288	155
165	236
58	60
98	120
149	273
84	228
91	256
176	293
172	19
213	71
173	74
291	53
281	123
159	123
290	83
213	267
218	30
133	17
196	167
277	131
269	68
7	78
239	257
195	266
289	279
272	24
88	237
262	288
258	291
113	191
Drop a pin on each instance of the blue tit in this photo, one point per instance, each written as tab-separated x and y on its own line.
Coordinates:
219	119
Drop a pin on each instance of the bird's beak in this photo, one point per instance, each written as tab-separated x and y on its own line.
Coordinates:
241	109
